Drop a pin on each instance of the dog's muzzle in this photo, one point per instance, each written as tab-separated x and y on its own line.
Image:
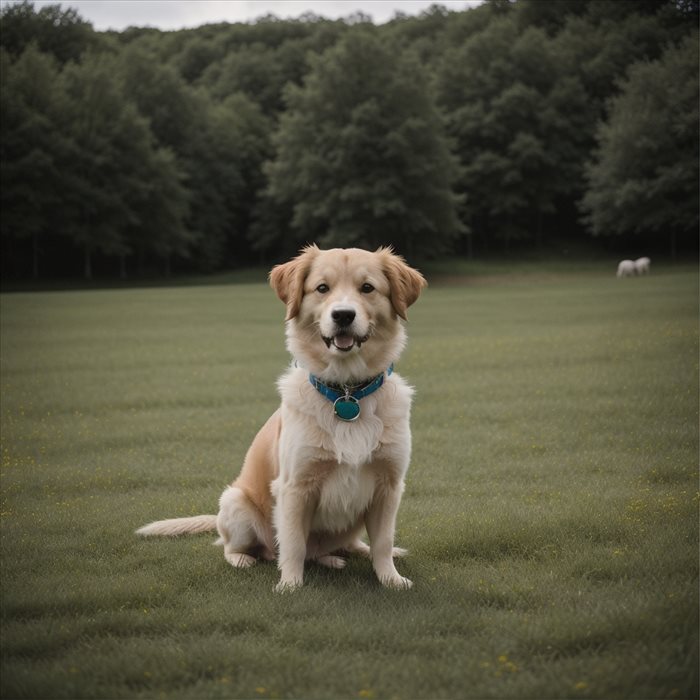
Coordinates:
344	339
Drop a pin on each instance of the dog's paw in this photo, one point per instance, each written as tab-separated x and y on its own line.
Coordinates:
399	552
287	586
332	562
239	560
399	583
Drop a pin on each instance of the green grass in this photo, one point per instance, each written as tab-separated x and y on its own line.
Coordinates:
551	509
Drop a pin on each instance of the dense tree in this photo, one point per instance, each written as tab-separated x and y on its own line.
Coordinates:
140	148
61	33
644	176
599	46
523	95
261	71
249	132
118	177
516	116
253	70
79	162
218	160
197	55
159	93
361	158
218	146
33	148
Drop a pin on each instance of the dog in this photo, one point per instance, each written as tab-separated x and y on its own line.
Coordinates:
626	268
642	266
332	460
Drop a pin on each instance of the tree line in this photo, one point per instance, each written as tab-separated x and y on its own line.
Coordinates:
493	129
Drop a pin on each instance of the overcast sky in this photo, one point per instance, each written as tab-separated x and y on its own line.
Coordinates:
176	14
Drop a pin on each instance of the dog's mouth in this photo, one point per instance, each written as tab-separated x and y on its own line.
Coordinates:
344	341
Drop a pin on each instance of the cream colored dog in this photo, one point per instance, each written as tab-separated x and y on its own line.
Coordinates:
332	459
626	268
642	266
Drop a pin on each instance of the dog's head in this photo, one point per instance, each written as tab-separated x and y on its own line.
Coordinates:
344	308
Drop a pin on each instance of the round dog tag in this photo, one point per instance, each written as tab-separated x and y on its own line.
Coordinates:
347	408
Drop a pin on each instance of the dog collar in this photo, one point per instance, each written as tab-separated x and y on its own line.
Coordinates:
346	398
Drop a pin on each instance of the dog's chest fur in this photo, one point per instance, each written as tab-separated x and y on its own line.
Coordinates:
345	494
350	451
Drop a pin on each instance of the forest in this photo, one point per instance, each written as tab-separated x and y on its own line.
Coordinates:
504	129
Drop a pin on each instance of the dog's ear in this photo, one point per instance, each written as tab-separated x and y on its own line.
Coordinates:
288	279
405	283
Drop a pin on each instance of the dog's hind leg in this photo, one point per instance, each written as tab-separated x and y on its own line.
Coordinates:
238	523
323	547
332	562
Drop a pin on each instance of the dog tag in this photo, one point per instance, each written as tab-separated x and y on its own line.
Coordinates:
347	408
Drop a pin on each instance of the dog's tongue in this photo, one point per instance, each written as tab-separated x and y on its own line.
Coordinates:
343	341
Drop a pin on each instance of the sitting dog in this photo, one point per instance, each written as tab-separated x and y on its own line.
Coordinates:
331	460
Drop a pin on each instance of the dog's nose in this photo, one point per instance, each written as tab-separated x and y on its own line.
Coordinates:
343	317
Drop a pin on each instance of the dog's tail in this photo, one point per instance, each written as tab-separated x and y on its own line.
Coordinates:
179	526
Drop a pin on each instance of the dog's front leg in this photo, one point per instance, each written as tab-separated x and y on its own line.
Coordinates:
380	522
293	515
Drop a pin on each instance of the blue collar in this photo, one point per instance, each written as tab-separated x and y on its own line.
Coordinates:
346	398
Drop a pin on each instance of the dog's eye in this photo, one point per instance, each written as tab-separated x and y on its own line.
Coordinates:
323	289
366	288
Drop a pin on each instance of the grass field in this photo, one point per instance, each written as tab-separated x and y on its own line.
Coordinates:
551	509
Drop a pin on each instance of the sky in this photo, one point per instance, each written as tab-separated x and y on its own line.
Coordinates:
178	14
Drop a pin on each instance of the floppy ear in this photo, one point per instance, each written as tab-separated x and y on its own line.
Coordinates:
288	279
405	282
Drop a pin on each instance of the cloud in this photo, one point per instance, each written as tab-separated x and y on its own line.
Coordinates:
176	14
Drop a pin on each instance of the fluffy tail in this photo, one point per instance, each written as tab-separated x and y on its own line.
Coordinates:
179	526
